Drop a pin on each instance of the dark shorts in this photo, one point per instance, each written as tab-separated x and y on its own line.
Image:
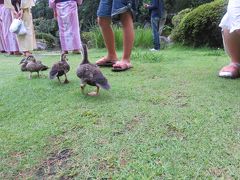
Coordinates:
113	8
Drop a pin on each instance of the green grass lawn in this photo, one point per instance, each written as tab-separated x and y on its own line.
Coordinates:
170	117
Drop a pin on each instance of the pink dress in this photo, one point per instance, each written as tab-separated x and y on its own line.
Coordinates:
9	39
2	44
67	17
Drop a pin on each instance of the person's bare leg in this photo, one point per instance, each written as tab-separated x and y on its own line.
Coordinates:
232	46
108	36
128	39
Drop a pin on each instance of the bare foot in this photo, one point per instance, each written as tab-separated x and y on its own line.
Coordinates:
122	66
17	53
27	53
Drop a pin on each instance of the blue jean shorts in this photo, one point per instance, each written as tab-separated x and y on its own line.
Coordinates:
114	8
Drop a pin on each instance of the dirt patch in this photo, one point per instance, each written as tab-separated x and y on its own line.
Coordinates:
54	164
220	173
123	158
181	100
106	165
133	123
173	131
129	126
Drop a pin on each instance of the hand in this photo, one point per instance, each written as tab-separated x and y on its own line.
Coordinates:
145	5
55	14
79	2
20	14
15	14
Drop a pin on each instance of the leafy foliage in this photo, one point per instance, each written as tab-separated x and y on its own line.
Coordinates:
50	39
41	10
183	4
200	26
88	14
177	18
46	25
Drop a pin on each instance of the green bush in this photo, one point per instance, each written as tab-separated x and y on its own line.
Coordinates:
166	30
42	25
200	26
86	38
177	18
48	38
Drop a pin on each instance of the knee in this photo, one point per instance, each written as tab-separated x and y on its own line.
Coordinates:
126	18
103	22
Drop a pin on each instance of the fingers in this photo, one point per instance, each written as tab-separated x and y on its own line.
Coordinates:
55	14
20	14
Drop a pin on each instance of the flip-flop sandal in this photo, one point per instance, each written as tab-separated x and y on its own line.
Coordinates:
106	63
230	74
122	67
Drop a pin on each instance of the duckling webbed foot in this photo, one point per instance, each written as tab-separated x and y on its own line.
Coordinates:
94	93
66	81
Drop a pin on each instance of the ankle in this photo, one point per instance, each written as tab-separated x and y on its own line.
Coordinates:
235	62
125	60
111	56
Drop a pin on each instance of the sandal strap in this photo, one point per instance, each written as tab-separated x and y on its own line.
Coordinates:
235	64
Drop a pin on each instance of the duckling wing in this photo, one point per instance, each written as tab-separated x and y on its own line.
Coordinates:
32	67
85	73
41	66
100	80
54	71
66	67
44	68
23	67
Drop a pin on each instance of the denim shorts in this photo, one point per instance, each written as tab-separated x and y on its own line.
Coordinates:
113	8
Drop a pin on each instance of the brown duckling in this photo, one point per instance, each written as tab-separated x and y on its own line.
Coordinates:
32	65
23	64
90	74
60	68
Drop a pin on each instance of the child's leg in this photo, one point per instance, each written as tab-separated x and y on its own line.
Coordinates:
108	36
128	40
232	46
128	35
